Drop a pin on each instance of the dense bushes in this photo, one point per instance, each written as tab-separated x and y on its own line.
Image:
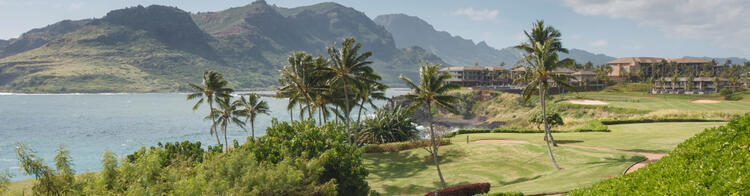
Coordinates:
292	159
502	194
643	120
713	162
399	146
463	190
593	126
389	124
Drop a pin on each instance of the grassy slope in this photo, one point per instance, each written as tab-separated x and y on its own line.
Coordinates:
645	137
711	163
507	167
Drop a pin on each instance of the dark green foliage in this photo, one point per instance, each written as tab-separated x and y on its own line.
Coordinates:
463	190
340	160
109	170
713	162
186	151
730	95
49	181
593	126
390	124
553	119
631	121
399	146
502	194
562	107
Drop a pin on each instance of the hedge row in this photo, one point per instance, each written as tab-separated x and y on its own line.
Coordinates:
630	121
593	126
601	128
399	146
462	190
502	194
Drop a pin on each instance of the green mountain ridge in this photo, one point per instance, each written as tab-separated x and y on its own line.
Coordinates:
161	49
413	31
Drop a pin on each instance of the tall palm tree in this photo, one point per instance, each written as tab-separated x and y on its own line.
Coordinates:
432	91
370	91
348	68
252	106
541	58
212	89
227	113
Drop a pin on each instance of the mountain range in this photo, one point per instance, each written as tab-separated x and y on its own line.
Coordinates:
412	31
162	49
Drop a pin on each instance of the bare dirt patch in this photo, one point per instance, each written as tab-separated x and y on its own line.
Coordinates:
705	101
587	102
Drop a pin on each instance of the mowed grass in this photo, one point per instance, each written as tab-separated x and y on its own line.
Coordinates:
642	137
644	101
507	167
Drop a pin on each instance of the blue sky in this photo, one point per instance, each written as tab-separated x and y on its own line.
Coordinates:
661	28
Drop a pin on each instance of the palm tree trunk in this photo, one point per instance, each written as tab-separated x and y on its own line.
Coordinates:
224	128
360	110
301	114
213	121
291	116
546	129
346	110
435	148
252	128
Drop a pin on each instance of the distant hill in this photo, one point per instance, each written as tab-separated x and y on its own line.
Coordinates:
38	37
161	49
412	31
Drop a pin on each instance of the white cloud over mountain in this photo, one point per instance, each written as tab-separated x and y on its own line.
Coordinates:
478	14
724	23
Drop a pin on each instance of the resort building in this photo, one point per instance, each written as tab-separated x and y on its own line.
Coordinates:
629	66
581	78
684	85
478	76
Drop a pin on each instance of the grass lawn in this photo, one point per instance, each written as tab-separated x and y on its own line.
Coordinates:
507	167
526	167
645	101
644	137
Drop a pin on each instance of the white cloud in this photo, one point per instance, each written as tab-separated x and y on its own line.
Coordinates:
478	14
598	43
722	22
75	5
575	36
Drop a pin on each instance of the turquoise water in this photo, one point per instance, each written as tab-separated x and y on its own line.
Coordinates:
88	124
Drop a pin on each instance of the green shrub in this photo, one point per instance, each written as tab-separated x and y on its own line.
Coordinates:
4	180
468	131
631	121
593	126
735	97
390	124
553	119
501	194
713	162
399	146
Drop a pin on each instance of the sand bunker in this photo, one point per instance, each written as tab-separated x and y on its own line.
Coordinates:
587	102
704	101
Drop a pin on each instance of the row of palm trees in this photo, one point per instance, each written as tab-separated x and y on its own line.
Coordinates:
214	91
331	85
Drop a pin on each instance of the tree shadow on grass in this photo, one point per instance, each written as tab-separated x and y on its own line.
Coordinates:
568	141
415	189
649	151
618	160
518	180
406	164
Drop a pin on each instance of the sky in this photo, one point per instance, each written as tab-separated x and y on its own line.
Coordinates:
618	28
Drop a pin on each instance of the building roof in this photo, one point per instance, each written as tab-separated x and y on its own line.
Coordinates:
584	73
468	68
690	60
520	69
563	70
633	60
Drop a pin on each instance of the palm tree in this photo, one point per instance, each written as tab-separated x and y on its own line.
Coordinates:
348	67
252	106
227	113
213	88
370	91
541	58
432	91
